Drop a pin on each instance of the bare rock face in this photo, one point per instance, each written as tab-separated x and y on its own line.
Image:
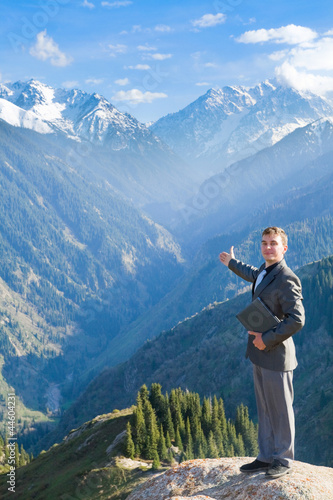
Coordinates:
221	479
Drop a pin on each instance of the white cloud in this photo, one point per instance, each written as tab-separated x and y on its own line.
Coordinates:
209	20
90	5
114	50
122	81
141	67
307	63
202	84
135	96
159	57
308	67
288	75
144	48
291	35
315	57
120	3
70	84
278	55
94	81
46	48
163	28
137	28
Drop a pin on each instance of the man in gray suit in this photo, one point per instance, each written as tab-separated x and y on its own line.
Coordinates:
273	352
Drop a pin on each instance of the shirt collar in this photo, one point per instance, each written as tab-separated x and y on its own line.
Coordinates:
270	268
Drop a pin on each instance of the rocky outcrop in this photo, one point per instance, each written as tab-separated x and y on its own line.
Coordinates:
221	479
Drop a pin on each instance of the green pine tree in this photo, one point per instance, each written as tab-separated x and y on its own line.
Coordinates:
17	455
212	448
156	461
168	440
188	441
178	440
139	428
144	394
157	401
130	448
206	417
216	427
170	457
239	446
169	424
222	417
161	446
152	432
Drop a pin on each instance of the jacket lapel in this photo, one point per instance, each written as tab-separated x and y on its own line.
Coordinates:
268	278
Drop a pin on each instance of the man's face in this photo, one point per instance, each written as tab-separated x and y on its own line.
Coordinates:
272	248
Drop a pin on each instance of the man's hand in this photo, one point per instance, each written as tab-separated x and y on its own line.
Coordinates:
225	257
258	342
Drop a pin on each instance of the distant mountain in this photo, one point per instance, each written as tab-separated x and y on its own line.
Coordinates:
229	124
111	144
206	354
207	281
228	201
77	262
78	114
306	213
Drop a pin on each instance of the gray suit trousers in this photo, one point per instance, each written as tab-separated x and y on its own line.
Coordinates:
274	397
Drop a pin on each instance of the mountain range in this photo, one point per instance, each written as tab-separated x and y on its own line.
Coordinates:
112	146
77	114
227	201
110	230
229	124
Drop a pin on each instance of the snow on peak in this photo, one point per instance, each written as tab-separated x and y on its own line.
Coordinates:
74	112
18	117
228	124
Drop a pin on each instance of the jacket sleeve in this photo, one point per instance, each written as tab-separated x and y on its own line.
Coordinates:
246	272
290	300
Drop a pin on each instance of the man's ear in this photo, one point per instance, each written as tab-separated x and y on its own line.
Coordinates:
285	248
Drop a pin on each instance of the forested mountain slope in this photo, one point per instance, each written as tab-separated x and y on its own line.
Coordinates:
206	354
77	262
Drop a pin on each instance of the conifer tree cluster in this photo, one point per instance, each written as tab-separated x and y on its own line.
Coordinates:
21	456
161	424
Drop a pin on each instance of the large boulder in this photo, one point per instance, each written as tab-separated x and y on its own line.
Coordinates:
221	479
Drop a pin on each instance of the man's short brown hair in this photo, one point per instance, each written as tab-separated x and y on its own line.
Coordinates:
276	230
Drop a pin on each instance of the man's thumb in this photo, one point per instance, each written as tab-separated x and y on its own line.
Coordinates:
232	252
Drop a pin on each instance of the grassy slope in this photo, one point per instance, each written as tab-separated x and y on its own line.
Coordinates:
79	468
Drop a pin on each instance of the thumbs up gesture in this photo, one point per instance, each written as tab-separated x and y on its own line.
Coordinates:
226	257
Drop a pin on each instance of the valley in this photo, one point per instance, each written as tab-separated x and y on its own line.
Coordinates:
110	235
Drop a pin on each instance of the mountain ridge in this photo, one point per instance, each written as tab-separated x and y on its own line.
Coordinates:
76	113
226	125
203	354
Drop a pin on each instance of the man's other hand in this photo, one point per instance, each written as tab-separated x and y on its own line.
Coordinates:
225	257
258	342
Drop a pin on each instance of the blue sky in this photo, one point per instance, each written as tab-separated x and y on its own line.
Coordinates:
151	58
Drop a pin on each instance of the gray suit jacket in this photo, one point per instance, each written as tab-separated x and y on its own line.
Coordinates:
281	291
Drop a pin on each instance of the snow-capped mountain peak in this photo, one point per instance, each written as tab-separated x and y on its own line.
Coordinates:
229	124
74	112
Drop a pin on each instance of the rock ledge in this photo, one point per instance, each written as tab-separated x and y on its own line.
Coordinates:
215	479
